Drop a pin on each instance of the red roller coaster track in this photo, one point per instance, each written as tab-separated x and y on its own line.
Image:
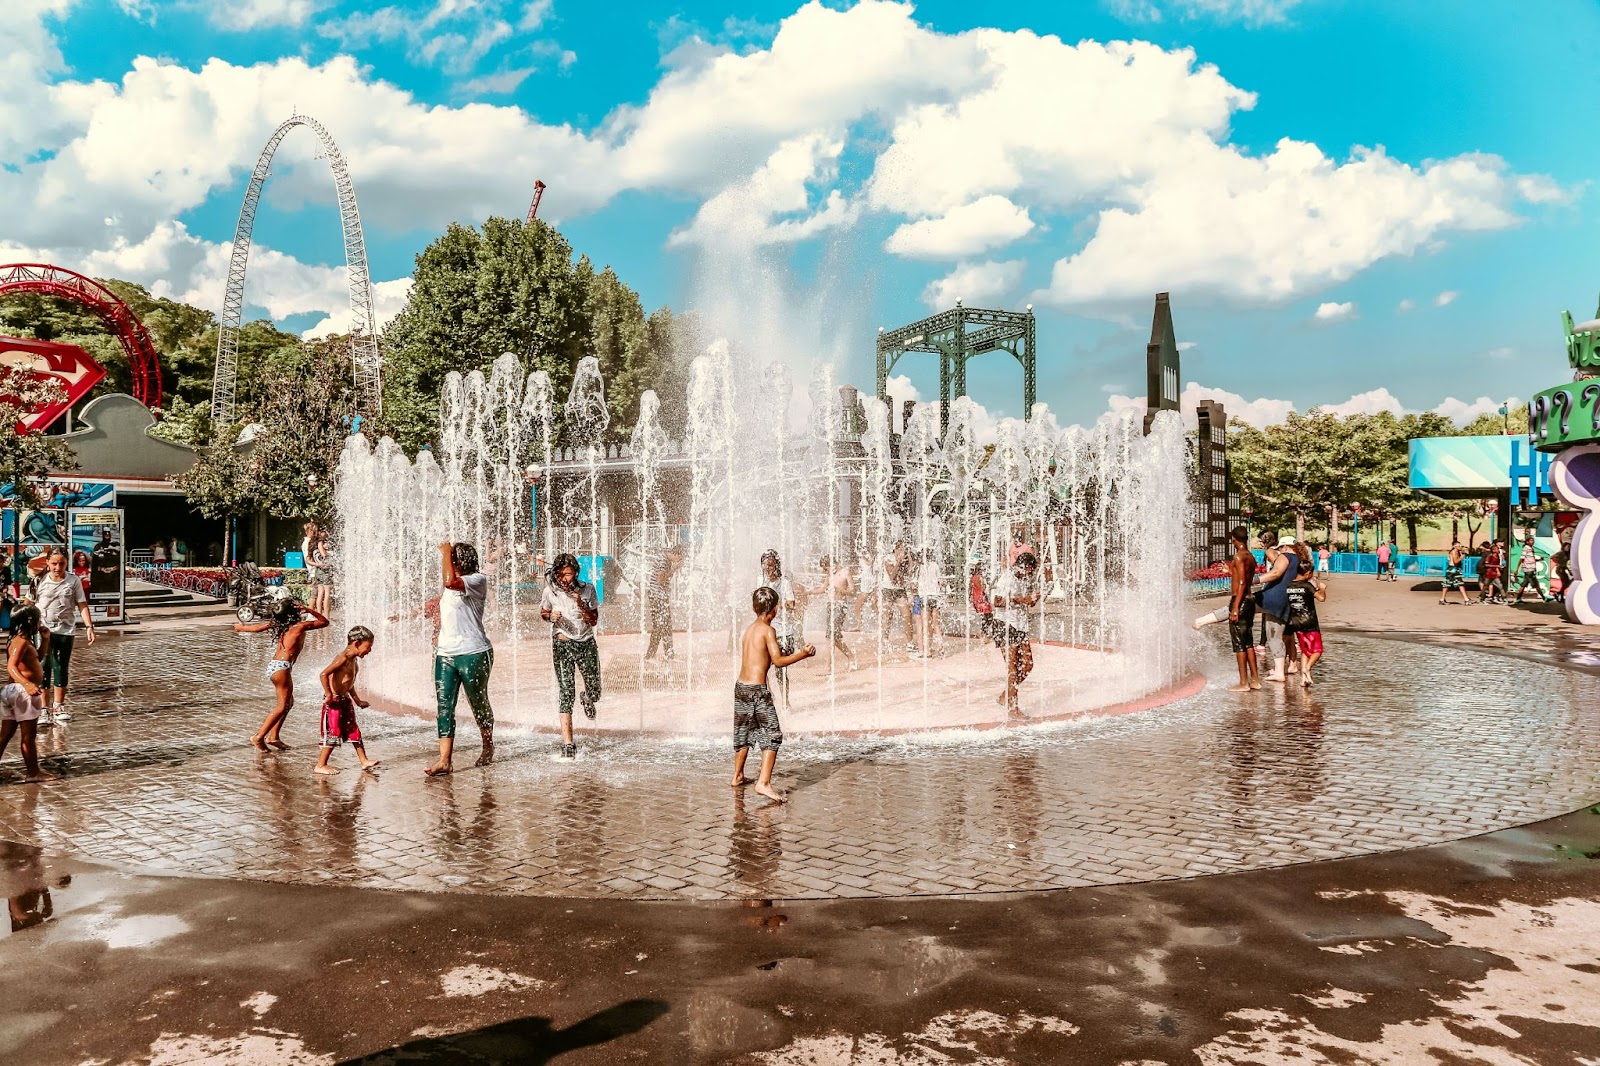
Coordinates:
46	280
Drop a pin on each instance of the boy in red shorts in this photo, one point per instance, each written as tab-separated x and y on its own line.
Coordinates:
340	701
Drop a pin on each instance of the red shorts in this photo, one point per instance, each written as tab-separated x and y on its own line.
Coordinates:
1310	643
339	722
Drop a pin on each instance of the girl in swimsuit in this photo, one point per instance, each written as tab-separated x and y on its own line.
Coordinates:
290	625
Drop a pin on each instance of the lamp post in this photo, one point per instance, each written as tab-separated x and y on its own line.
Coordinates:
534	472
1355	518
1505	414
1248	536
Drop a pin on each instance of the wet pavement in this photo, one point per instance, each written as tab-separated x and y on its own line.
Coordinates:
1398	746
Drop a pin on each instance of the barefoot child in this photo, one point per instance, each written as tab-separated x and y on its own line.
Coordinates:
754	716
1013	595
340	700
1304	593
22	701
290	625
573	609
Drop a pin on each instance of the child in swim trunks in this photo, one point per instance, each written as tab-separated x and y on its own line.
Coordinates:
755	719
22	701
340	700
289	624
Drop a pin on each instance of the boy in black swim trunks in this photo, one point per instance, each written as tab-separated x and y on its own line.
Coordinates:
755	719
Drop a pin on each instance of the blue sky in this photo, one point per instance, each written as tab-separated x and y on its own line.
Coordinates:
871	162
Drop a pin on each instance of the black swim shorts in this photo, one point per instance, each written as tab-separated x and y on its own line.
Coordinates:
1243	632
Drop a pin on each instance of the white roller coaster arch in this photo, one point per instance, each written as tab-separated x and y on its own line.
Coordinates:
367	365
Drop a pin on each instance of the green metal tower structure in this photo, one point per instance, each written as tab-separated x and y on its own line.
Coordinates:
956	336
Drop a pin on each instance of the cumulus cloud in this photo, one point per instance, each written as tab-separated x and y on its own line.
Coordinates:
1262	411
983	284
1446	298
1405	305
971	229
259	14
967	141
1334	312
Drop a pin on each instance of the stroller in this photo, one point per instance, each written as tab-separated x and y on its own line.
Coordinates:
251	596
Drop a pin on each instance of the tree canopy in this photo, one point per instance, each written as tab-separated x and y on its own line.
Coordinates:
1290	474
508	287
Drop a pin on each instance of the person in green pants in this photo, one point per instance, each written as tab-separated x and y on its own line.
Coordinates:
463	658
572	609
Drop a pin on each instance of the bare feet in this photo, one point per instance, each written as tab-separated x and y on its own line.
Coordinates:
258	743
1255	686
767	791
1240	688
1276	679
326	770
486	756
740	782
280	745
438	769
372	764
40	776
1306	680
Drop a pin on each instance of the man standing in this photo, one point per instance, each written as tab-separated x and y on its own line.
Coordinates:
1242	610
1394	560
1528	571
59	596
1383	559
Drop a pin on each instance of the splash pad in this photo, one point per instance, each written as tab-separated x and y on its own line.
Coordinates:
752	468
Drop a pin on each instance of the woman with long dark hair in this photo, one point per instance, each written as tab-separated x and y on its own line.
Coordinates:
463	658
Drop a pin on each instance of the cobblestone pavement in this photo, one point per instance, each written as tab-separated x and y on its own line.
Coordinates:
1399	746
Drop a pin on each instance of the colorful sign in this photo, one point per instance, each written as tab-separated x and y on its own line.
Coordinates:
1483	466
97	554
68	364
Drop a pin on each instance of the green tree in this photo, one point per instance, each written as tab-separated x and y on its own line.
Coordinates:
508	287
26	457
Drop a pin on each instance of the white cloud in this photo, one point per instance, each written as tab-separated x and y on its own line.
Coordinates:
1463	411
1332	312
1264	412
1250	12
986	223
774	204
1405	305
1446	298
1184	346
1503	352
257	14
983	284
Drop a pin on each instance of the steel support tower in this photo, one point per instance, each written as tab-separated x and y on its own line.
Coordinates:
956	336
366	362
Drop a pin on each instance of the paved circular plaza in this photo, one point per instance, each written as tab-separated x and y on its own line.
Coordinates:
1400	745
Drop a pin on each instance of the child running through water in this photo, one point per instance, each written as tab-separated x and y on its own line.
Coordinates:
1013	595
1304	592
840	588
289	625
573	609
340	700
22	700
755	718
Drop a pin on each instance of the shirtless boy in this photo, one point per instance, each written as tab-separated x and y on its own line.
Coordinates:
1242	610
22	701
755	719
290	625
340	700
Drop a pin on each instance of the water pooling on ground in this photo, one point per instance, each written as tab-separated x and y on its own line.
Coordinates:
1437	745
1102	508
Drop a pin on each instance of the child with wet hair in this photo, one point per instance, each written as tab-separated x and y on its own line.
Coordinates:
755	718
340	700
22	700
572	607
289	624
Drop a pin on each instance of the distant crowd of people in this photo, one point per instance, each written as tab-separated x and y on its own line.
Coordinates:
1285	590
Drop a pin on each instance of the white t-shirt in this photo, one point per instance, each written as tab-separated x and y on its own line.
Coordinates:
571	624
58	602
786	621
461	629
929	581
1008	586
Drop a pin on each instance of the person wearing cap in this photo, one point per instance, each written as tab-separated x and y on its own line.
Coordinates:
1281	569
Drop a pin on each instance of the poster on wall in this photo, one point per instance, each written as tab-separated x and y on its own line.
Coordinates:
79	494
96	553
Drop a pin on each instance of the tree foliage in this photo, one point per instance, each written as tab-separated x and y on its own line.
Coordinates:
287	466
25	456
508	287
1292	473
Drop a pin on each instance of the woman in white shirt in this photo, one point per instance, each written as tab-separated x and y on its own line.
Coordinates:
930	590
463	657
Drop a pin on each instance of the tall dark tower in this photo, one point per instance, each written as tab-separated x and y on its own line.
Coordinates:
1163	378
1213	504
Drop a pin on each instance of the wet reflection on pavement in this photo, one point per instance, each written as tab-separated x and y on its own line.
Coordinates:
1400	745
